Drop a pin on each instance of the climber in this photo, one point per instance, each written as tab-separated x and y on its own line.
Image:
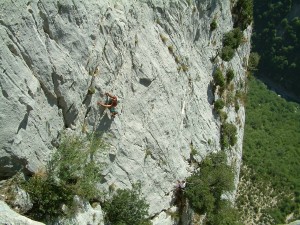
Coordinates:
110	103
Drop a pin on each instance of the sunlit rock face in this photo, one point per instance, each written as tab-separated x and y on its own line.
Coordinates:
157	56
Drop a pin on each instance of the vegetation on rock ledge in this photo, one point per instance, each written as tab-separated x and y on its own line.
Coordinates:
206	188
71	171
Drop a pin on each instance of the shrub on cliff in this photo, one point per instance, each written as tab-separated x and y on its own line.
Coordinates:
228	135
213	25
219	78
219	104
227	53
231	41
127	208
229	75
71	171
243	13
233	38
253	62
205	187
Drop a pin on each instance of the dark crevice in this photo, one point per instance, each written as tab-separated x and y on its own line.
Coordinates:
13	49
156	214
51	99
46	22
46	26
145	81
10	166
12	36
197	36
4	93
24	122
60	102
69	109
87	112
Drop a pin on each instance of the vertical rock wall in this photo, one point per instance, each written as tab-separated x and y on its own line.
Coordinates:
154	55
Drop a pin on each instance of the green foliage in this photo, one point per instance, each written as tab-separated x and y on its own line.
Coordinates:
243	13
272	147
253	61
205	187
276	39
127	208
228	135
71	171
227	53
223	116
213	25
225	215
193	150
219	104
47	197
233	38
231	41
219	78
229	75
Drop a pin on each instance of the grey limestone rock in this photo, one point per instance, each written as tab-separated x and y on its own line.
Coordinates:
10	217
155	55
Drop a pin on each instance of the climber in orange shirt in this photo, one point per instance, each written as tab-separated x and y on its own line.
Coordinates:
110	103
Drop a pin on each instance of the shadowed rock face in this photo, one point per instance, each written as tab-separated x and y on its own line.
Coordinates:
154	55
8	216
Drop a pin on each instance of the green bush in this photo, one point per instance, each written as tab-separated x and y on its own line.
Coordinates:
47	197
253	62
271	137
205	187
229	75
225	215
219	78
71	171
231	41
213	25
219	104
227	53
243	13
233	38
127	208
228	135
223	115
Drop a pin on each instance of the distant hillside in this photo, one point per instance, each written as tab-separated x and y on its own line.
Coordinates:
271	156
277	39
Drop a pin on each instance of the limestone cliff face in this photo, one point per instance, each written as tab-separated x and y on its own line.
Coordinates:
155	55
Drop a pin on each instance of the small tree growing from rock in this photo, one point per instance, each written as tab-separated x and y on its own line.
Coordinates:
213	25
219	78
206	186
126	207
